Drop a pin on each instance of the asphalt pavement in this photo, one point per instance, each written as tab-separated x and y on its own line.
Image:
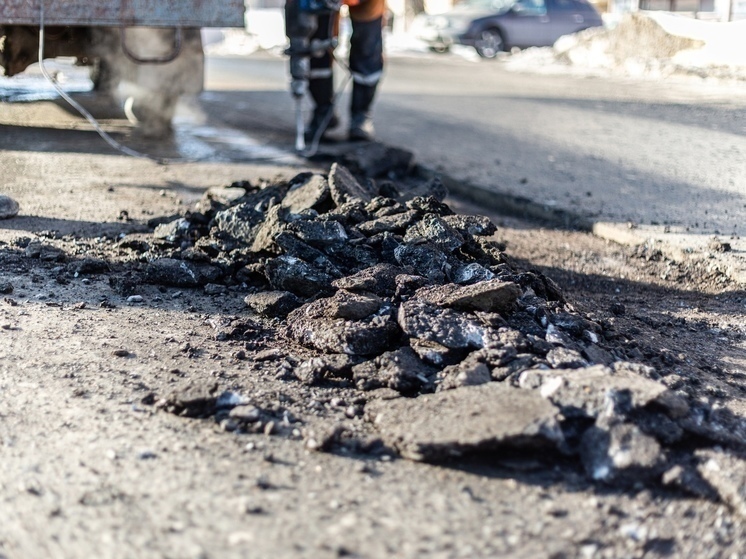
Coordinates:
636	161
656	161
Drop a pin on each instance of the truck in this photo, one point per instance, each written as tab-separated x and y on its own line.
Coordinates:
145	54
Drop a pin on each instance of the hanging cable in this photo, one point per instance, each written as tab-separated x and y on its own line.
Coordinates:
78	107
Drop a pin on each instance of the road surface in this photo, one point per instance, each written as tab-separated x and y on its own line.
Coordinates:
646	152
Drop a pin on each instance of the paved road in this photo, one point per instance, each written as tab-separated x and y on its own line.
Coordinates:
613	150
669	157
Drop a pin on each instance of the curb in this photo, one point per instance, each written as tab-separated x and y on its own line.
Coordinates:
508	204
721	253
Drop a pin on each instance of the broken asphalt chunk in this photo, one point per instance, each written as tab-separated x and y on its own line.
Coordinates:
179	273
345	187
436	427
434	229
273	304
400	370
488	296
307	191
316	369
287	273
344	304
447	327
727	475
583	392
379	279
620	452
371	336
8	207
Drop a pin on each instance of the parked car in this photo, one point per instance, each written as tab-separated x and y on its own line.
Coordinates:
491	26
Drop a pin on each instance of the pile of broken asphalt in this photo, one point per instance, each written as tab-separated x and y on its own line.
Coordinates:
439	346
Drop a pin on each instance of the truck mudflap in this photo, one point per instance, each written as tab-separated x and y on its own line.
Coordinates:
124	13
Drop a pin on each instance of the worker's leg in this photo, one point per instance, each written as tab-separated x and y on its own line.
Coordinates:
321	85
366	64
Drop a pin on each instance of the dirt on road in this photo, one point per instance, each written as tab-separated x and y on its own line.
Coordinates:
141	417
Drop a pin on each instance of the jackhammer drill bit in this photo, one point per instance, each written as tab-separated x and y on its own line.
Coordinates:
300	25
301	22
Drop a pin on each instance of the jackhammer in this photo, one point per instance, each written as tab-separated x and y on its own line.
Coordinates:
301	22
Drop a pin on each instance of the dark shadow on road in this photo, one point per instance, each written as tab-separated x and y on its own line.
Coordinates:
504	162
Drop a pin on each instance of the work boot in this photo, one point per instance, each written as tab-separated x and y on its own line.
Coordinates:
324	119
361	123
361	128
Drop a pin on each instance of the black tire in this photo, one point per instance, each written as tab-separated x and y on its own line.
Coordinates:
439	48
489	43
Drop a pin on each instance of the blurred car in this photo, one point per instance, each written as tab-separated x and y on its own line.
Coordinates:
492	26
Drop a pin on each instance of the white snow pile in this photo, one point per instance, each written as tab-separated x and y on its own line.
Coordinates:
645	45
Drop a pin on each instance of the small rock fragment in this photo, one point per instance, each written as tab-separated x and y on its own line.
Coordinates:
286	273
446	327
727	475
273	304
472	373
563	358
307	191
583	392
8	207
179	273
345	187
316	369
192	400
172	231
87	266
487	296
400	370
621	451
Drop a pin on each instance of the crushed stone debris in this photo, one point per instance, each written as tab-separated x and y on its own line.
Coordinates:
432	342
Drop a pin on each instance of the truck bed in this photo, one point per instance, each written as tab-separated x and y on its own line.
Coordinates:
128	13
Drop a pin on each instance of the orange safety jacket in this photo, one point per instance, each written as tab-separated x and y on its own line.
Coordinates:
366	10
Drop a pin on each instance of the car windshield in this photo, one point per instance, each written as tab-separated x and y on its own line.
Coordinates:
484	5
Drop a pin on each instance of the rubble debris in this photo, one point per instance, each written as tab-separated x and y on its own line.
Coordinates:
620	451
346	188
435	427
173	230
8	207
87	266
287	273
312	371
400	370
179	273
379	289
487	296
192	400
727	475
370	336
309	191
44	252
273	304
584	392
